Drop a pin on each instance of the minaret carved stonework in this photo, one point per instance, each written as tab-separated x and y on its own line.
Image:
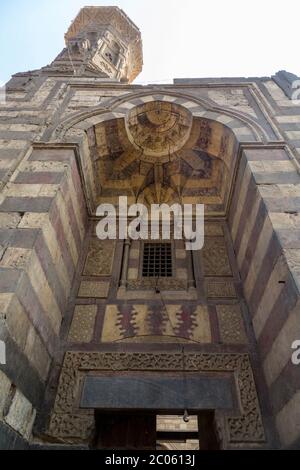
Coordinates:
101	42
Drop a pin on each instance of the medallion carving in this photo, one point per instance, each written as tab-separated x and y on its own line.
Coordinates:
159	128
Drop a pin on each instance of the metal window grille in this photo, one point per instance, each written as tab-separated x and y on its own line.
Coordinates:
157	260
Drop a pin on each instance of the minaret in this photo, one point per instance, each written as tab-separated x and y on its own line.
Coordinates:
101	42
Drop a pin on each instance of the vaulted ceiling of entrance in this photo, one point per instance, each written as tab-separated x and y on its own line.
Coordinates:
161	153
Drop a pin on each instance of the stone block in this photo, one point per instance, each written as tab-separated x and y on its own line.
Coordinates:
9	220
288	119
266	154
37	353
132	273
17	322
181	273
215	257
12	144
82	327
6	164
281	220
44	293
270	177
17	258
5	299
173	423
49	190
10	439
150	392
99	257
33	220
293	261
21	415
293	135
26	204
43	166
289	238
180	254
93	289
134	253
22	190
231	324
215	289
213	230
273	288
51	154
9	279
39	177
5	385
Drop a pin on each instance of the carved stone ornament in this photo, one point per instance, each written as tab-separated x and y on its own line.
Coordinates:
71	424
99	257
92	23
159	128
150	284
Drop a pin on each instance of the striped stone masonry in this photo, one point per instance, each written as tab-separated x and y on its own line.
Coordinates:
39	255
266	237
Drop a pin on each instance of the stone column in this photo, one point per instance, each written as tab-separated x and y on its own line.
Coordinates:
123	282
190	266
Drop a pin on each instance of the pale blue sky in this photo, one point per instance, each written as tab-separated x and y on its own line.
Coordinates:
182	38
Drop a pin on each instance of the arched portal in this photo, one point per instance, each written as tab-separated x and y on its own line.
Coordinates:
143	297
159	148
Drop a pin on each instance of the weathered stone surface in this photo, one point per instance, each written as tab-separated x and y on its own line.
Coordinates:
99	258
215	289
17	258
93	289
5	385
153	393
231	324
17	322
33	220
21	415
10	439
215	258
82	327
176	423
9	220
37	353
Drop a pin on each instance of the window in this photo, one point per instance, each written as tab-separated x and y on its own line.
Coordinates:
157	260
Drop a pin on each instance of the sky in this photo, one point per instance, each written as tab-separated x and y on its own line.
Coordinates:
181	38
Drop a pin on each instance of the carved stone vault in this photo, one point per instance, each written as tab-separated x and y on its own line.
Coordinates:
160	153
69	423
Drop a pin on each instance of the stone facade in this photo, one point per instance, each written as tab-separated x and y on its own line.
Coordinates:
71	136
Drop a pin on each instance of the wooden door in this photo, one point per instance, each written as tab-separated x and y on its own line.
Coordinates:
127	431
